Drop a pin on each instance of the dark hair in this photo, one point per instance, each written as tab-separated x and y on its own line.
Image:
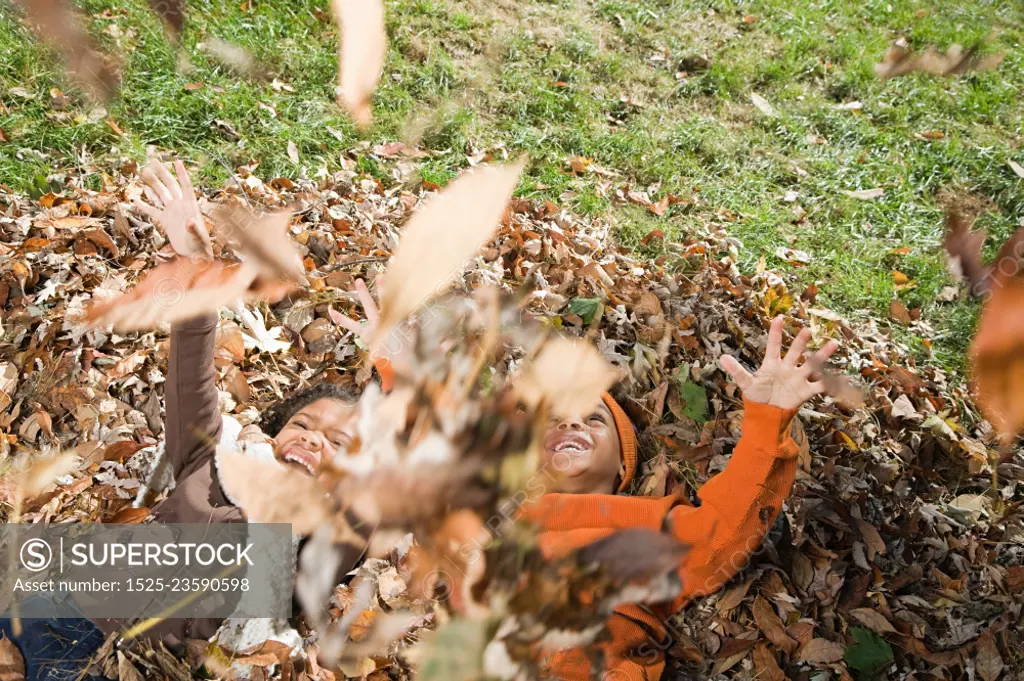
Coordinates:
277	414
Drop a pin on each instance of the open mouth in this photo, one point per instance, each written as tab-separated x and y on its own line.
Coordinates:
570	444
307	461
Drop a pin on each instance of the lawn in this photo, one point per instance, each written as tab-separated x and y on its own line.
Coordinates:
656	95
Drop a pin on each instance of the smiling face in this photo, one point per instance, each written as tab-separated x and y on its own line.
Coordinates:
314	434
584	452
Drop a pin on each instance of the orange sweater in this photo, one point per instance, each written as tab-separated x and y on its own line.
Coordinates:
738	506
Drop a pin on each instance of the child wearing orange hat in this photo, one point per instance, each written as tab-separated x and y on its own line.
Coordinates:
596	455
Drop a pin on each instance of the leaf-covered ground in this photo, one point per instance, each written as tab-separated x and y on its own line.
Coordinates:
896	557
661	94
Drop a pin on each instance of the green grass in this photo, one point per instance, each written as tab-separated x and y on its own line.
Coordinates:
598	78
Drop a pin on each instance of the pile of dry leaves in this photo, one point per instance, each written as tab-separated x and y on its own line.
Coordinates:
901	551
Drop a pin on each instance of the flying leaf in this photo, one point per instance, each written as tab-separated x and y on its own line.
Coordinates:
361	56
12	664
264	239
441	236
873	620
177	290
570	375
870	655
634	554
44	471
963	248
57	23
822	651
173	14
899	61
865	194
997	357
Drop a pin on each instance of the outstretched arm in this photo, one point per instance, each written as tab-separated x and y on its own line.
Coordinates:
739	505
193	421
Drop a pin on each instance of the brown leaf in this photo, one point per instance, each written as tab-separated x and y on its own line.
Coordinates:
1015	578
43	472
822	651
177	290
874	541
570	375
771	626
173	14
265	239
126	671
898	312
733	596
898	61
442	235
963	248
997	360
12	664
634	554
765	666
364	43
56	22
653	234
873	620
129	516
987	659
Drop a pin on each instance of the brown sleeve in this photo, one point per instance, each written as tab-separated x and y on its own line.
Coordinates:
193	420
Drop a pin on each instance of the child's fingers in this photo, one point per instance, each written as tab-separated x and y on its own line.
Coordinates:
165	176
184	180
202	236
826	351
345	322
157	186
774	349
739	375
796	350
369	305
146	209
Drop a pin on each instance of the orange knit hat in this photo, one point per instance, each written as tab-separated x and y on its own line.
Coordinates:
627	440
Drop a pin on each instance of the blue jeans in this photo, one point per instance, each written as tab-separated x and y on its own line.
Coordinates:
55	649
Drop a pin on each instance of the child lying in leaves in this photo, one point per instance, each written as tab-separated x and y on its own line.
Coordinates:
738	506
595	454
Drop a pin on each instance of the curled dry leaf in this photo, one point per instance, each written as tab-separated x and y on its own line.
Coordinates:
445	232
12	664
178	290
634	554
997	357
569	374
264	239
821	651
771	626
899	61
873	620
364	43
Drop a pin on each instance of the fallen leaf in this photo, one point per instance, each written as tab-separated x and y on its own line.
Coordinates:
821	651
865	194
12	664
771	626
446	231
293	152
765	666
988	661
902	407
653	234
361	55
874	541
129	516
762	104
869	655
1018	170
948	294
963	248
192	87
898	312
899	61
570	375
873	620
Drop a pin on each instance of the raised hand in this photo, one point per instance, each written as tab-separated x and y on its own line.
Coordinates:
781	382
175	209
364	331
